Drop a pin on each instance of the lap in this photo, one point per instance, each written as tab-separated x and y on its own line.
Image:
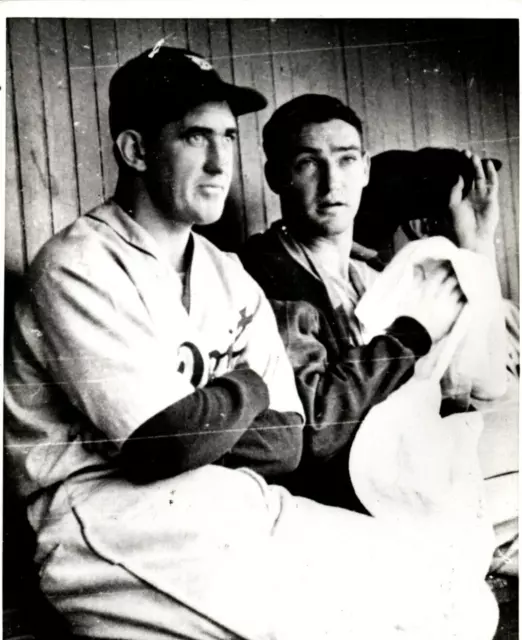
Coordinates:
220	554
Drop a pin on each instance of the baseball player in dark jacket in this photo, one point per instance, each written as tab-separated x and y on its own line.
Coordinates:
314	274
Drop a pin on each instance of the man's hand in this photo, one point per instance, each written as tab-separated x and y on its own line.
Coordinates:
476	216
435	299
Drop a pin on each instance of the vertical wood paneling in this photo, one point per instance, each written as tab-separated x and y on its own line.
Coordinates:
198	37
413	83
512	127
473	98
418	99
303	53
316	57
488	133
58	123
279	44
353	72
175	32
14	237
128	39
249	69
85	113
151	32
495	145
261	65
229	231
379	99
510	93
379	91
455	56
220	53
440	95
29	105
282	91
105	54
402	91
323	64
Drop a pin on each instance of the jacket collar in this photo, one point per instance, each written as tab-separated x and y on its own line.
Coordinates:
128	229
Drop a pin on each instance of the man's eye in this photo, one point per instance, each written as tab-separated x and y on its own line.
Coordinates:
231	137
196	139
348	160
302	164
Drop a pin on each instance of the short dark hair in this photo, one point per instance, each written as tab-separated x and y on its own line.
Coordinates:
289	119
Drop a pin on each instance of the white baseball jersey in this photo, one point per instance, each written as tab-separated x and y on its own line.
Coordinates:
103	342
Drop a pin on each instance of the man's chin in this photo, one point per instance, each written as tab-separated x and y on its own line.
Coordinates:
334	227
209	216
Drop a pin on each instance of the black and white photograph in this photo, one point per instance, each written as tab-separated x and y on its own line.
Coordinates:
261	327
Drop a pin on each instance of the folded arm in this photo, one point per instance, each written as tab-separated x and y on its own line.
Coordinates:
338	391
103	352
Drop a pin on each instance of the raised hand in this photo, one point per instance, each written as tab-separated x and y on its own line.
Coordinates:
475	217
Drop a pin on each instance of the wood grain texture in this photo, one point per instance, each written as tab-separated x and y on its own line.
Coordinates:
15	254
353	74
246	60
85	114
151	32
175	32
32	139
229	231
105	56
128	39
63	187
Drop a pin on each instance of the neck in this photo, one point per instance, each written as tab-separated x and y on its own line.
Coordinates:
333	252
171	236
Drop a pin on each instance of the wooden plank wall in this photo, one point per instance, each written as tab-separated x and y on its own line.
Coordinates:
414	83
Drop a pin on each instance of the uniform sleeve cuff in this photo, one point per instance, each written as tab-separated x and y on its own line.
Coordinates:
252	387
411	334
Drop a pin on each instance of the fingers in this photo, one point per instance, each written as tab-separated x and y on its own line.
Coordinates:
451	296
492	175
442	282
456	293
456	192
451	288
482	178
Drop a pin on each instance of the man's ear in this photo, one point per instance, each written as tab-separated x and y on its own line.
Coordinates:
131	149
367	167
273	177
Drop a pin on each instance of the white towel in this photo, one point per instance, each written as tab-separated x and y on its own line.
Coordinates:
476	346
407	464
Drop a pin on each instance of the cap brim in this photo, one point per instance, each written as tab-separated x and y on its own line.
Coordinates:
241	100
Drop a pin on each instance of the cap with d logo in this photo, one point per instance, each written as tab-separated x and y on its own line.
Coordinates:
162	84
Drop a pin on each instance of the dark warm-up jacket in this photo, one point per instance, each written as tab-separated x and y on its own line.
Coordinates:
338	382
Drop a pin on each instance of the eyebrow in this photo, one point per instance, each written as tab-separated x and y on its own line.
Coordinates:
305	149
206	130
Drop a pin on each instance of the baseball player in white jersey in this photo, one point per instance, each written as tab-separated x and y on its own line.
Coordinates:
151	409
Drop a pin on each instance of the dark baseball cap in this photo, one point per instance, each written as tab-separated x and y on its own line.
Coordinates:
162	84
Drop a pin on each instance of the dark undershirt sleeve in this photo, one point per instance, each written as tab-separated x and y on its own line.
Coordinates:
197	430
273	445
411	334
338	391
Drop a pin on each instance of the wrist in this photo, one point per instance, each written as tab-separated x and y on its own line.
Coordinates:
412	334
486	248
250	385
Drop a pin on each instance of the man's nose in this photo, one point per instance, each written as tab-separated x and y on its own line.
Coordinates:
331	177
219	156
